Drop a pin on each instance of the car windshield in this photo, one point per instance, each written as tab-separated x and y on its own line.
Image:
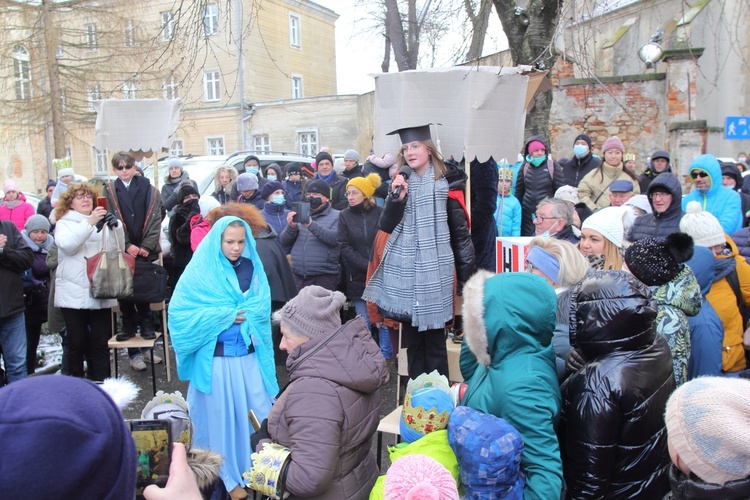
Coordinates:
201	170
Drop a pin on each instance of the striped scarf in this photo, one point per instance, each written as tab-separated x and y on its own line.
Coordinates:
415	276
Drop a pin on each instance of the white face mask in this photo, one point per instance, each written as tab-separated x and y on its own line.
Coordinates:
546	233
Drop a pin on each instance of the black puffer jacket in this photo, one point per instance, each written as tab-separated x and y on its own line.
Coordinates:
612	434
535	185
484	177
692	488
356	234
666	223
576	168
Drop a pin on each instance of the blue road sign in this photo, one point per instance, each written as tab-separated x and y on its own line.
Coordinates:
737	127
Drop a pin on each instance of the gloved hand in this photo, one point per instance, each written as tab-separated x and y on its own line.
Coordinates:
110	220
574	361
260	435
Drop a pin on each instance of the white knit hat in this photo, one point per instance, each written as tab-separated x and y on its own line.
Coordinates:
708	422
705	229
640	201
611	222
567	193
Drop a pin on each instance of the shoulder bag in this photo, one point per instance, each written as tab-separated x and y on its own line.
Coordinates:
110	273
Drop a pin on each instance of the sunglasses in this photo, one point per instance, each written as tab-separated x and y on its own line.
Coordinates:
698	173
126	167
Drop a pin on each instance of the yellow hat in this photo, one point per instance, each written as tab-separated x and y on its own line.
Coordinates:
367	185
505	174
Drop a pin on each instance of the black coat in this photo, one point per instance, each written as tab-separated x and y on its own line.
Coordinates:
660	224
179	232
338	191
356	234
45	207
692	488
484	177
15	258
576	168
647	177
613	438
275	264
535	184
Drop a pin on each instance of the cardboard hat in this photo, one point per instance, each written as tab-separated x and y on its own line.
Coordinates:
411	134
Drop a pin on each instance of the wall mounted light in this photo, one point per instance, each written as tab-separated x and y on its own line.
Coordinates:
520	13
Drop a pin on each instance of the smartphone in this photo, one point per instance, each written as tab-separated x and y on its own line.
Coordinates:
101	201
302	215
153	444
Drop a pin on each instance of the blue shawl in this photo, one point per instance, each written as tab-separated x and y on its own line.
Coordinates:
205	303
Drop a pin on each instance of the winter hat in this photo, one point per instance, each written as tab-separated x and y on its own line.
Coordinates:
251	157
730	169
207	203
428	404
703	226
621	186
247	182
65	171
656	261
270	187
64	437
707	423
613	142
323	156
293	167
350	153
35	223
419	477
489	451
659	153
314	312
584	137
50	183
10	185
505	174
611	222
567	193
640	201
186	188
318	186
535	146
173	161
367	185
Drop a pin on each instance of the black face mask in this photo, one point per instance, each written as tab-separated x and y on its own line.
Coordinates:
315	203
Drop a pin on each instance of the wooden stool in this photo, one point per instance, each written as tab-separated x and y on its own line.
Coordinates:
138	342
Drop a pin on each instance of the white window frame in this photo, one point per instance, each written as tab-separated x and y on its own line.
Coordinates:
129	90
170	86
215	145
100	161
211	19
305	146
295	30
177	148
22	72
93	93
128	34
261	142
211	85
298	86
91	36
167	26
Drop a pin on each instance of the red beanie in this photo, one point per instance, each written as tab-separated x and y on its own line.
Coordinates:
535	146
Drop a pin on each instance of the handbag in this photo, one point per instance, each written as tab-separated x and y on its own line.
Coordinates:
110	273
149	283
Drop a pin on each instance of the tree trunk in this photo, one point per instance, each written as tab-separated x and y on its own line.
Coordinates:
395	29
386	64
479	23
55	89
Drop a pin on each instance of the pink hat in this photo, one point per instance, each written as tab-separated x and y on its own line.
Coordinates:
419	477
613	142
10	185
535	146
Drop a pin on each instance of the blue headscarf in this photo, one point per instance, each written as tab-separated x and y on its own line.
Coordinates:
205	303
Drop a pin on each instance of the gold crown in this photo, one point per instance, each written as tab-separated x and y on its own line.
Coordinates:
628	157
423	420
265	473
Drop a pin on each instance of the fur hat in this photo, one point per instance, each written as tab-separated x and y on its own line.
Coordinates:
350	153
318	186
367	185
269	188
703	226
187	187
207	203
314	312
707	423
322	156
64	437
10	185
35	223
613	142
419	477
428	404
611	222
247	182
656	261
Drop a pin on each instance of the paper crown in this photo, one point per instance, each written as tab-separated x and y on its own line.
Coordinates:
61	163
628	157
428	405
265	475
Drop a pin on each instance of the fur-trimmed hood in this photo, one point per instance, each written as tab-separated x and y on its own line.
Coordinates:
232	175
205	465
244	211
499	319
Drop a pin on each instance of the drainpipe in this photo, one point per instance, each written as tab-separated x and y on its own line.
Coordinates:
241	76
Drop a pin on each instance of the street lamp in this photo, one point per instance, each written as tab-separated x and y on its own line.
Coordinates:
651	52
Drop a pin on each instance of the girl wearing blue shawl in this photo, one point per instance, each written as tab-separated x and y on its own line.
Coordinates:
219	318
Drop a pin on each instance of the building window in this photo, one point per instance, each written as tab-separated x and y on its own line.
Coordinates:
129	90
211	85
308	142
100	161
93	93
215	145
177	149
128	34
210	20
261	142
60	51
169	84
294	30
22	72
63	101
296	87
91	42
167	26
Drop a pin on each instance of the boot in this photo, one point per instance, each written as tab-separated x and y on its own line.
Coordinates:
147	327
128	328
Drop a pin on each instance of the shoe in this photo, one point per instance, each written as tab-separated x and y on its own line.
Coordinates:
147	329
128	329
157	359
137	363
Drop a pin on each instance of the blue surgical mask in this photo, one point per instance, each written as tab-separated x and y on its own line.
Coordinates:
271	177
580	150
253	170
536	161
277	199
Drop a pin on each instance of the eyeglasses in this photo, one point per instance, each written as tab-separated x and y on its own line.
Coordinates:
84	196
658	195
534	217
126	167
698	173
530	267
412	148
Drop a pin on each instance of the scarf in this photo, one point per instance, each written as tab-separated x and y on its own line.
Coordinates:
415	276
205	303
12	204
723	268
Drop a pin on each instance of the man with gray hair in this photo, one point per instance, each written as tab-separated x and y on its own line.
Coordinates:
554	217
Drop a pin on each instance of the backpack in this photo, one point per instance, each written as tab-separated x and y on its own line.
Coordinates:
550	168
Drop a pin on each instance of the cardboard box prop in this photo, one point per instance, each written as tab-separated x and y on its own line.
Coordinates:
511	253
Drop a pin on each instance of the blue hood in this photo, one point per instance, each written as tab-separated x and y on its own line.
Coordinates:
703	264
710	164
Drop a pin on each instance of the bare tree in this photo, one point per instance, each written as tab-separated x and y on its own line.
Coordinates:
479	17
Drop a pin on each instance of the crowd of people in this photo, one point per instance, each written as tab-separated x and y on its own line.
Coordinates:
612	367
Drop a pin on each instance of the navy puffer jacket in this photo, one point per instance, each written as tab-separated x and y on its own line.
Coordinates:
665	223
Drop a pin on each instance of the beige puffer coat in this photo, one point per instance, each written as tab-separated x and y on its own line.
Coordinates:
593	190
